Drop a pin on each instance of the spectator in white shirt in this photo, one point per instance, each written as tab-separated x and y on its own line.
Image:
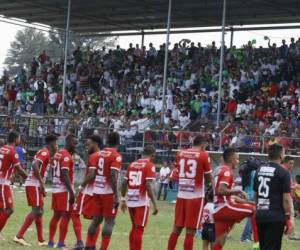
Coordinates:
52	100
184	119
240	110
158	105
164	175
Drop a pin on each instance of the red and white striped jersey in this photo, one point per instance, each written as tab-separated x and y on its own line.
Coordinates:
137	174
9	159
62	160
192	165
42	156
109	159
92	164
225	176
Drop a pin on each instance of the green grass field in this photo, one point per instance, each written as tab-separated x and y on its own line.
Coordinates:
155	238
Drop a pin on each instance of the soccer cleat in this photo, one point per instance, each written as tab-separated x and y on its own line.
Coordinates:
2	237
21	241
79	245
294	237
42	243
90	248
246	241
51	244
61	246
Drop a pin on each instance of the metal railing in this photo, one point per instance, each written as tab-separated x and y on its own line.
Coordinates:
34	128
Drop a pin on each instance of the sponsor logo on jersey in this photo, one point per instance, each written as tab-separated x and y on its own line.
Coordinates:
227	173
44	154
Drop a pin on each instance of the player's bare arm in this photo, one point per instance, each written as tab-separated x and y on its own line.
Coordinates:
224	190
287	206
241	200
123	194
208	179
150	191
66	180
87	179
36	170
113	178
21	171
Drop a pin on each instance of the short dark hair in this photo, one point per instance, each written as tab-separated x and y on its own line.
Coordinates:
97	139
199	140
69	138
288	158
113	139
228	153
275	151
12	136
149	150
50	138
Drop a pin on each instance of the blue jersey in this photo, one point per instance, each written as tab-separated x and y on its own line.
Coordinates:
20	153
250	188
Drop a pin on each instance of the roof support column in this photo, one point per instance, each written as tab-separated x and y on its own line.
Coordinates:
143	39
66	56
221	63
166	63
231	36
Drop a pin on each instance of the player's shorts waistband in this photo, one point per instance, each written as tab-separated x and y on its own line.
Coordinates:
4	182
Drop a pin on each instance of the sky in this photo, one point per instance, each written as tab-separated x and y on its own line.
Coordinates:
239	39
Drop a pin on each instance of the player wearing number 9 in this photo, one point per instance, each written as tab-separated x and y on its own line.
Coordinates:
194	168
273	201
139	180
105	193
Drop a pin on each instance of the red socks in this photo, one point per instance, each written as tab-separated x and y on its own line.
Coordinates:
105	242
188	242
39	228
254	228
3	219
53	226
77	226
91	239
217	247
173	241
131	236
28	221
136	238
63	228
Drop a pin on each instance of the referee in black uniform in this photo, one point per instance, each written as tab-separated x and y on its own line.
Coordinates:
273	200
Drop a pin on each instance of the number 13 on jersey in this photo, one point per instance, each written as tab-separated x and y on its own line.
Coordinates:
187	168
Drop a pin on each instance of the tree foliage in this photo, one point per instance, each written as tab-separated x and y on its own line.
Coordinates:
27	44
30	43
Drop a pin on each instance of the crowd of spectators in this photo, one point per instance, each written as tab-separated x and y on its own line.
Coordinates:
122	90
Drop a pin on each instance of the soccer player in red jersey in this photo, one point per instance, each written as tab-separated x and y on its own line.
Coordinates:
84	200
105	194
139	180
9	163
63	196
194	169
35	190
231	205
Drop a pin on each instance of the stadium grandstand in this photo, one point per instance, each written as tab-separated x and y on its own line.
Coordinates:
122	88
246	99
